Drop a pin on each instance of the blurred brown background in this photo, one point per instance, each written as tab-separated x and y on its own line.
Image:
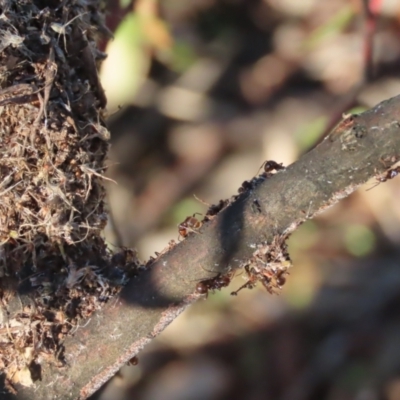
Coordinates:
200	93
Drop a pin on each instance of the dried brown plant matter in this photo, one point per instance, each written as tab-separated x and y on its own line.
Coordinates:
54	265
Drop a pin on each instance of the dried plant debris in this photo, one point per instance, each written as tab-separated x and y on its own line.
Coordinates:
55	269
269	265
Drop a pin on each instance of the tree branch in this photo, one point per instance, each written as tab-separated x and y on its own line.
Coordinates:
359	148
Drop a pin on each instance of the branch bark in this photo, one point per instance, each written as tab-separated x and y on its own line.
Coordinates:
358	149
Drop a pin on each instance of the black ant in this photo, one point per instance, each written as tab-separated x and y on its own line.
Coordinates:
271	165
213	209
216	208
268	166
246	185
217	283
190	224
390	174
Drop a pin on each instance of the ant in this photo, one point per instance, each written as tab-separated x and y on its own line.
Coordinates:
271	165
133	361
253	278
268	166
213	209
190	224
390	174
280	277
216	283
216	208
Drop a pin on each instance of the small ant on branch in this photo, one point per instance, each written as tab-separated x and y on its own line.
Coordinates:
213	209
268	166
271	165
217	283
267	279
190	224
251	281
268	265
390	174
246	185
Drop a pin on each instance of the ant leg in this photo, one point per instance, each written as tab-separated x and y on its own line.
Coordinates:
249	285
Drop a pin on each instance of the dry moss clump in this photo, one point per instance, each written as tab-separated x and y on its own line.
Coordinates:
54	266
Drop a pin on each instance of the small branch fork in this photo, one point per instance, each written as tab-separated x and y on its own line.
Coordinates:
360	148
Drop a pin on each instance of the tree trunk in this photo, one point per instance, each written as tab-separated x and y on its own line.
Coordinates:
54	266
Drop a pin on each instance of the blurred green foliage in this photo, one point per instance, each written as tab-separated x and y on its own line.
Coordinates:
359	239
336	24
